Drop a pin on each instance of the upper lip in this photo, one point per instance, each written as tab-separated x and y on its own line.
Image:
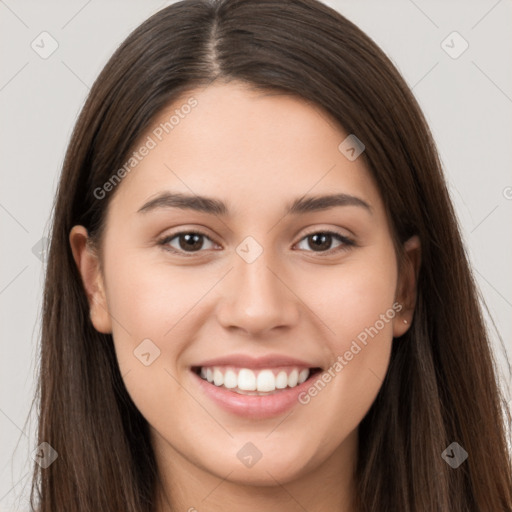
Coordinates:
246	361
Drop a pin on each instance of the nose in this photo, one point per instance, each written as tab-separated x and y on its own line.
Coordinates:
257	298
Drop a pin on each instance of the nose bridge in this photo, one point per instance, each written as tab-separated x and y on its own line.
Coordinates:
257	281
257	299
258	288
252	267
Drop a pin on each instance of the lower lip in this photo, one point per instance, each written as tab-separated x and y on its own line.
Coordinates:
253	406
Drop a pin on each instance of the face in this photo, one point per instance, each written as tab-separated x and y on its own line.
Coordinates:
257	289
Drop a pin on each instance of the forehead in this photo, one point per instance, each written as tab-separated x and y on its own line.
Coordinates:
250	147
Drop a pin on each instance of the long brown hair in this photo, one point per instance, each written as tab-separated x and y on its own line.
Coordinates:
441	386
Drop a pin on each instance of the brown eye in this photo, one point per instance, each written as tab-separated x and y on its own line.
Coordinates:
321	241
190	241
187	242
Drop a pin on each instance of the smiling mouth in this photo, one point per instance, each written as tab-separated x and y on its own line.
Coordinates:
259	382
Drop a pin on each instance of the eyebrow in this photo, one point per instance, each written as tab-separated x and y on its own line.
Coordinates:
301	205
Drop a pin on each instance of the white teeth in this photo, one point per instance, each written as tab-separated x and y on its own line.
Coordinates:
303	375
293	378
218	378
281	380
230	379
266	381
248	380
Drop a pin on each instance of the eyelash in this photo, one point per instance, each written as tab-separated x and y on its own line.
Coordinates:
346	242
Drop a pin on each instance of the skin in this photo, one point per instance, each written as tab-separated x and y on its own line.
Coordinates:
241	146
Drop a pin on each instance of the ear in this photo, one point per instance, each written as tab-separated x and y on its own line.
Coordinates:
407	286
88	264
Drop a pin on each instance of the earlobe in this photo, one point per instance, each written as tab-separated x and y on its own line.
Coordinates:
88	265
407	286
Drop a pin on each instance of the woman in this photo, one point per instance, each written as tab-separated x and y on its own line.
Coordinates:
257	297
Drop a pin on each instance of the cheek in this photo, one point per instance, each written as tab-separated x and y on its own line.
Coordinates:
150	299
150	307
353	297
358	309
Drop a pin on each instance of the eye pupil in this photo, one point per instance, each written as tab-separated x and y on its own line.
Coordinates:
191	241
319	241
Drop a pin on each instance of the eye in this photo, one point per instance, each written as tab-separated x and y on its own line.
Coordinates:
187	241
321	241
193	241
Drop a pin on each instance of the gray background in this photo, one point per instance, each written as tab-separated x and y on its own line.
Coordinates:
467	101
